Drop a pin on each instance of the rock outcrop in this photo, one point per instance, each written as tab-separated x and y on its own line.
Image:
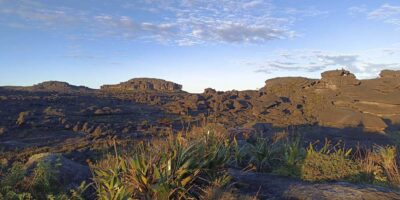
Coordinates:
144	84
52	86
152	106
390	74
339	79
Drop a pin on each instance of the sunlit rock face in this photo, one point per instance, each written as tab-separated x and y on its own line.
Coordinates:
390	74
339	78
144	84
52	86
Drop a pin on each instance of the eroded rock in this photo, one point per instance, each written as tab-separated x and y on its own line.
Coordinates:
390	74
144	84
339	78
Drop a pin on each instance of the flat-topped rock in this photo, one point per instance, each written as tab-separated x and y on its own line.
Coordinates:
390	74
51	86
144	84
58	86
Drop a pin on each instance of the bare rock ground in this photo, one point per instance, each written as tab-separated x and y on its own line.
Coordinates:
268	186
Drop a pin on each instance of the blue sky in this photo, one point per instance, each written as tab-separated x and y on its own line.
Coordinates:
223	44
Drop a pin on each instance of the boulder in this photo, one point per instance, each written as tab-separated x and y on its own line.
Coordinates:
70	173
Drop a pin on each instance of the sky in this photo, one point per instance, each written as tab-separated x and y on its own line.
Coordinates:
222	44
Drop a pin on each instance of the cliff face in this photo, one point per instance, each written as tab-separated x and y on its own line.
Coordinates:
144	84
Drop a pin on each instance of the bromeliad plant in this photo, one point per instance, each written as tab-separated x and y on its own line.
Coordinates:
291	159
264	155
176	169
165	174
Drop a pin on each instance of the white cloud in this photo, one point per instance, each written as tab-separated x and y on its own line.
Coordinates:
317	61
184	22
358	9
386	13
38	15
307	12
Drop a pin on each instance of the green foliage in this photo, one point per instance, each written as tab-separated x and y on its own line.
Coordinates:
239	154
14	176
293	156
41	183
108	181
176	169
264	155
329	163
44	179
388	158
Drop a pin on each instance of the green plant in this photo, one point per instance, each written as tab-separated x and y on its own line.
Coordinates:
107	179
175	169
371	170
239	154
264	156
40	183
44	180
167	175
328	163
388	157
14	176
293	156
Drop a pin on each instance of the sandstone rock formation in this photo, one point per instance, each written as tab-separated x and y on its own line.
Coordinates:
45	115
52	86
390	74
144	84
339	79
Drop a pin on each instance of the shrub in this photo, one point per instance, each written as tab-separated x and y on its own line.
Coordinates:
329	163
44	180
41	183
388	157
292	158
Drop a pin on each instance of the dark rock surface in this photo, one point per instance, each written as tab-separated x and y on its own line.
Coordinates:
268	186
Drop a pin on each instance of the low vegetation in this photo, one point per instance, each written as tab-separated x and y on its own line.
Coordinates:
20	183
195	166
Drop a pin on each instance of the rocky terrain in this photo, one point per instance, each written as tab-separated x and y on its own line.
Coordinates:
336	103
56	117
